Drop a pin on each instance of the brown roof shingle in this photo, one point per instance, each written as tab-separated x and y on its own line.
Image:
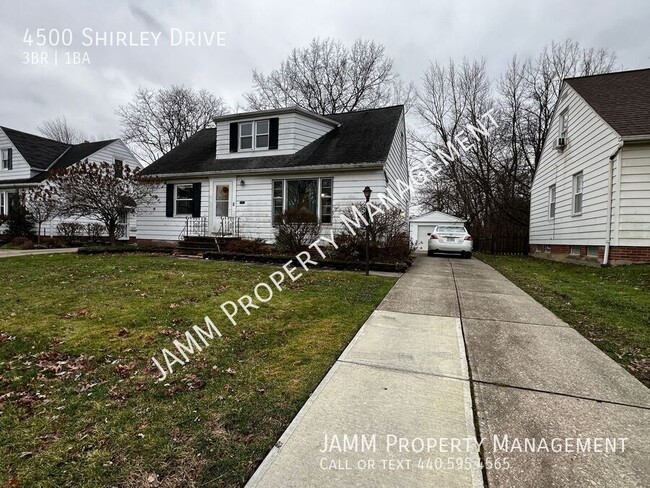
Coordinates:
622	99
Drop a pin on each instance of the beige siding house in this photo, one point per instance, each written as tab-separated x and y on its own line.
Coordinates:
590	198
236	178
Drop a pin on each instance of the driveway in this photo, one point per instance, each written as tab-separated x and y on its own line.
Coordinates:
456	351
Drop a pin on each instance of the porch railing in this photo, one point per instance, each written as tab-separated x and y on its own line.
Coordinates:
229	227
195	227
199	227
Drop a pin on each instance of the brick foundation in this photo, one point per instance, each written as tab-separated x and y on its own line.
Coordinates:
617	254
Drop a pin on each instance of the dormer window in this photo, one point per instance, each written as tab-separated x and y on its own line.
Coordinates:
7	159
254	135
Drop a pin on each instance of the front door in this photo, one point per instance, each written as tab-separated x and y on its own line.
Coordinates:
222	204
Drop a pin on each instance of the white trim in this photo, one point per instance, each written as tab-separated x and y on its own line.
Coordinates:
574	193
212	209
254	134
552	189
176	185
276	111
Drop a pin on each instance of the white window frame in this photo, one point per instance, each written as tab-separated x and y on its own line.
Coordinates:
3	202
563	124
5	151
319	195
254	133
552	201
176	199
575	192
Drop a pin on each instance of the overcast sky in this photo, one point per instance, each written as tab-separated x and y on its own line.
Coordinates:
259	34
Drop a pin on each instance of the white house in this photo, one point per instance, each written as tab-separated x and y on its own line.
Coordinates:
591	192
27	159
423	225
236	178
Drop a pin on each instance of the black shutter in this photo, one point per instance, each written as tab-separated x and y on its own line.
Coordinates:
274	123
10	163
196	200
234	136
170	200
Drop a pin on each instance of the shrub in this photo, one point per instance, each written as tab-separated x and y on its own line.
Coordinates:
94	231
22	242
19	220
245	246
70	231
296	230
389	239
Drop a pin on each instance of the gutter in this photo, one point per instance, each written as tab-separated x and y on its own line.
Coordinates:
610	184
300	169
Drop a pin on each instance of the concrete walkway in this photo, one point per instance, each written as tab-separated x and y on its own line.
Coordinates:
10	253
399	406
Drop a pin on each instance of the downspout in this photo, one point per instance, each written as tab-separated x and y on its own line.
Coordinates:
610	185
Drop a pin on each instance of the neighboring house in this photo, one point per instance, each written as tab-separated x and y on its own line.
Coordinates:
423	225
235	179
591	194
27	160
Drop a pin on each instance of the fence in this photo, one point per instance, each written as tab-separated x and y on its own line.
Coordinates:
502	244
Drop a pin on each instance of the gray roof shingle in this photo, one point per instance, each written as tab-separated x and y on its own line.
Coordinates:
364	136
622	99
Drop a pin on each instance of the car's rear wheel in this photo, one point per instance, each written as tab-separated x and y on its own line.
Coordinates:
430	253
468	255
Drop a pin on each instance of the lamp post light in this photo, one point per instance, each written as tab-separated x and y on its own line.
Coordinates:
367	192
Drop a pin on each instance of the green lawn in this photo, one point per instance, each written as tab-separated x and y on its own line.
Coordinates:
609	306
79	401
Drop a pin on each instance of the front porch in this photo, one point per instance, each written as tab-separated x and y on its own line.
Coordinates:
197	234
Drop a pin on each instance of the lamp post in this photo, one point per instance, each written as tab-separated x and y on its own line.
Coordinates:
366	193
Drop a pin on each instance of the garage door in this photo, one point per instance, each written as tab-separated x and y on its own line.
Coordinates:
423	238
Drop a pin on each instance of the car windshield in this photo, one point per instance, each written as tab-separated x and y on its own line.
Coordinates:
447	229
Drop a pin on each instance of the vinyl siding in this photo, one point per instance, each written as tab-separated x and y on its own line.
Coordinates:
634	216
252	202
255	213
396	168
21	169
295	131
590	142
115	150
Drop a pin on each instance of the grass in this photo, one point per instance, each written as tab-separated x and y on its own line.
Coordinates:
79	401
609	306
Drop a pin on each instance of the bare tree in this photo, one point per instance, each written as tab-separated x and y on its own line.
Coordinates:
156	121
490	183
41	204
59	130
327	77
97	191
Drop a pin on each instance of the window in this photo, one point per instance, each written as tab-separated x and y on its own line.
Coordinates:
547	248
223	200
326	201
592	251
7	159
278	199
450	229
578	182
575	250
304	196
551	202
563	124
254	135
119	168
3	203
183	200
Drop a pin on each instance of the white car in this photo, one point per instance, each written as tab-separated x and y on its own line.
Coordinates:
450	239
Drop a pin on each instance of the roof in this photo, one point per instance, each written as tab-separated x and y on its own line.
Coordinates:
361	137
437	216
622	99
41	152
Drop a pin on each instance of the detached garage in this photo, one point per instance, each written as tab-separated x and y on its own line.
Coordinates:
424	224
